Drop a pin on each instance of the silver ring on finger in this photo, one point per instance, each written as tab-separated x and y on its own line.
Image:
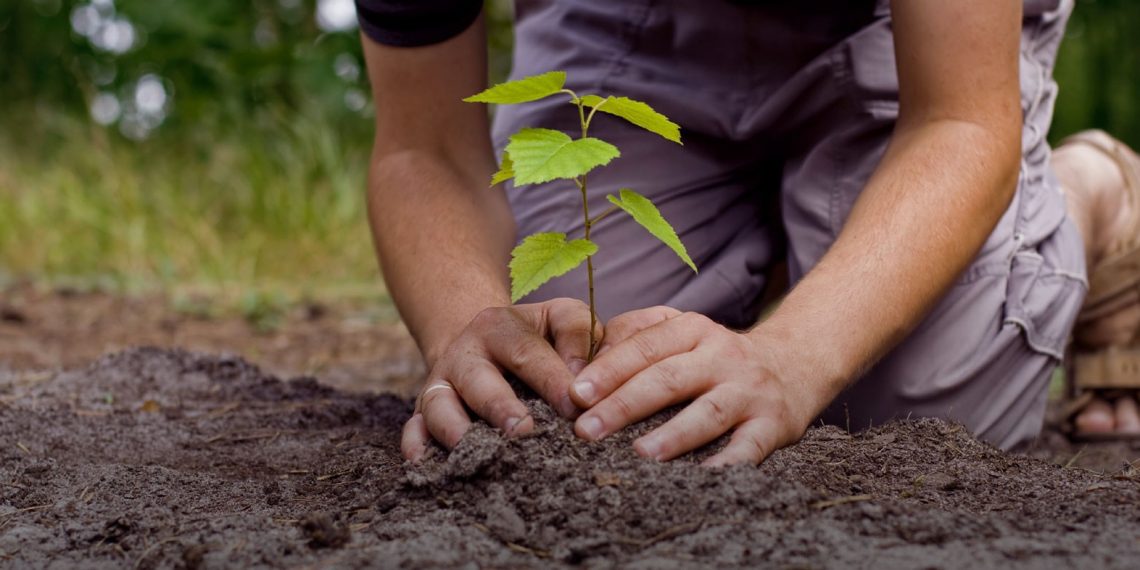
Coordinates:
442	386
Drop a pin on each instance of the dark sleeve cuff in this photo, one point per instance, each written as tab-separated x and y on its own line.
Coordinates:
411	23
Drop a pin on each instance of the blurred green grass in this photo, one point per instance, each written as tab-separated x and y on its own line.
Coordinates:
279	209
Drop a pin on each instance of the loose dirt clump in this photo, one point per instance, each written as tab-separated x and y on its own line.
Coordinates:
161	458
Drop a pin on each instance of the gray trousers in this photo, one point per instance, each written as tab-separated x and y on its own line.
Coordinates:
786	109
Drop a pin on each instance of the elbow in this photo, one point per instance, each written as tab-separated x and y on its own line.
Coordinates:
993	151
1004	159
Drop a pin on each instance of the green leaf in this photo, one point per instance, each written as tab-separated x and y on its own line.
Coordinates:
645	213
506	170
637	113
541	155
523	90
542	257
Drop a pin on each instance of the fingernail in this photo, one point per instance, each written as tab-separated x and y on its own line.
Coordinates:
648	446
591	426
511	424
576	365
585	391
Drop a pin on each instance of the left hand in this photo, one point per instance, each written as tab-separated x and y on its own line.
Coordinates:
658	357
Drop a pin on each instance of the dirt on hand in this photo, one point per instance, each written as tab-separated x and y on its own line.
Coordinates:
169	459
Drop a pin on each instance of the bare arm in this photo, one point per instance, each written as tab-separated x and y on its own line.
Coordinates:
947	177
444	240
443	237
948	174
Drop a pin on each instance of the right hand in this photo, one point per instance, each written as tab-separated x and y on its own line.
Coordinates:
544	344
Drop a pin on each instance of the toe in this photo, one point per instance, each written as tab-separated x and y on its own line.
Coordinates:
1127	415
1097	417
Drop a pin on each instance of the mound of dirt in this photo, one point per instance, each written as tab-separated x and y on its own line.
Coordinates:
156	458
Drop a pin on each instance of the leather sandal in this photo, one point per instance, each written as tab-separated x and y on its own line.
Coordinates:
1114	371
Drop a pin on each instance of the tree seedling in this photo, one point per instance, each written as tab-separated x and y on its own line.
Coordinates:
536	155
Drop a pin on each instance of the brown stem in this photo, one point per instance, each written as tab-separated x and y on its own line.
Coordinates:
588	224
589	271
605	213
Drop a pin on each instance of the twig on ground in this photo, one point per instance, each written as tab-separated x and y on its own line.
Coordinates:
820	505
152	548
1074	458
221	411
666	534
328	476
524	550
231	438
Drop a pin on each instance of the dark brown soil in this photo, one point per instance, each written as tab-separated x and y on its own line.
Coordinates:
157	458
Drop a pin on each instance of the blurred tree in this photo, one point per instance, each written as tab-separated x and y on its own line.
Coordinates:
1098	71
210	63
206	67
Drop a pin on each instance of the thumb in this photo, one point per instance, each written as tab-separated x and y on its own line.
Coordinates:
568	321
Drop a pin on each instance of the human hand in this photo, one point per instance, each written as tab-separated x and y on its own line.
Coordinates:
543	344
658	357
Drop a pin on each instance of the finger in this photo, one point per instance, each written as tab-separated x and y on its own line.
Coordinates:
569	323
752	442
620	363
482	387
415	439
706	419
666	383
627	324
444	416
534	361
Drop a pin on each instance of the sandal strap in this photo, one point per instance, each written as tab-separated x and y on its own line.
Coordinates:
1109	280
1111	368
1121	271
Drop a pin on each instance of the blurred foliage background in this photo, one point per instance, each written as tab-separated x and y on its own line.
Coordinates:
222	146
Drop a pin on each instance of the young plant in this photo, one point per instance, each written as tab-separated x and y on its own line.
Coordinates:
536	155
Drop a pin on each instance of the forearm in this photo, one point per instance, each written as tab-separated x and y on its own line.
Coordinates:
443	239
936	196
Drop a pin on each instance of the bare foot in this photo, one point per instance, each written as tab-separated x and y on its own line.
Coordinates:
1099	202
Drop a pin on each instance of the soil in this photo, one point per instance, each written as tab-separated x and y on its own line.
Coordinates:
164	458
348	344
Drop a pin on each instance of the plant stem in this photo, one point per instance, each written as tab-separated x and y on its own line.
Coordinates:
589	272
607	212
588	223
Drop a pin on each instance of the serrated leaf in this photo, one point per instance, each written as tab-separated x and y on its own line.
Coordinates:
506	170
542	155
642	210
542	257
522	90
637	113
